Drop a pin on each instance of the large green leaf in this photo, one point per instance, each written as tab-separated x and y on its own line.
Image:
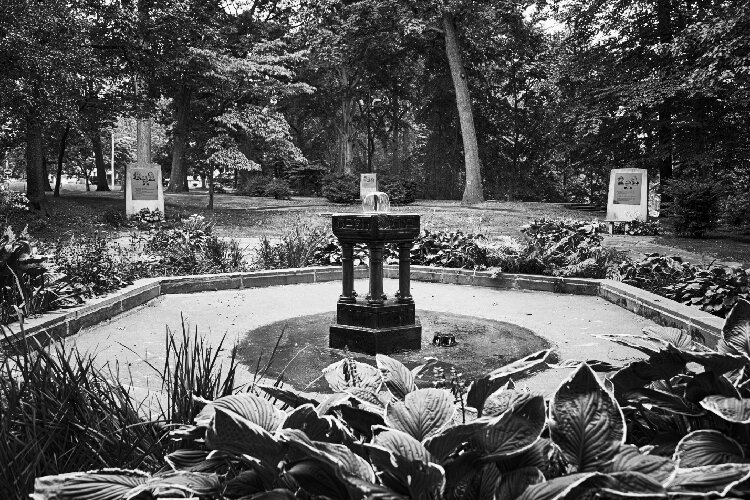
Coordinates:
195	461
236	435
112	484
709	479
245	483
734	410
586	422
668	335
513	432
452	438
317	479
707	447
483	387
422	413
596	485
288	396
736	331
277	494
178	484
629	459
555	488
653	399
318	427
662	365
352	373
401	443
360	415
414	478
248	406
482	484
397	377
504	399
716	362
707	384
514	483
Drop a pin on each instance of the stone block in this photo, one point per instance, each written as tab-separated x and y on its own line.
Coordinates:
375	341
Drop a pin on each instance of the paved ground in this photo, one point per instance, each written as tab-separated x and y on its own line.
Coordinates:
135	339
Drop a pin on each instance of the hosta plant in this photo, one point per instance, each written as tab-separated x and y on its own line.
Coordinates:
674	425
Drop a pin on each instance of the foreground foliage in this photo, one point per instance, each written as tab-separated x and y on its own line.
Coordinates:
673	425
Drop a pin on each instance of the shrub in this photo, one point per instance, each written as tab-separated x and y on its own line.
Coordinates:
27	285
695	206
400	191
295	248
341	188
191	248
115	217
639	227
736	211
90	263
656	428
147	219
278	189
255	185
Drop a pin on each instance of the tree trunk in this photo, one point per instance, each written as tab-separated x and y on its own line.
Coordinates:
60	157
143	141
101	168
47	186
34	168
178	176
346	129
473	188
664	125
210	188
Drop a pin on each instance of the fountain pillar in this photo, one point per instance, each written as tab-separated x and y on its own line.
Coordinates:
377	323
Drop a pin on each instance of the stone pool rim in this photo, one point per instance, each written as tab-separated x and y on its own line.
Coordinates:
62	323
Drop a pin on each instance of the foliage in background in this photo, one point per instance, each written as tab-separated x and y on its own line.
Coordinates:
653	428
713	289
296	247
340	188
27	285
696	205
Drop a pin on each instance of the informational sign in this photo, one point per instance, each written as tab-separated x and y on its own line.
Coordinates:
144	183
143	188
628	195
368	183
628	189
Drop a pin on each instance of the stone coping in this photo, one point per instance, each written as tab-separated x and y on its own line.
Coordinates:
65	322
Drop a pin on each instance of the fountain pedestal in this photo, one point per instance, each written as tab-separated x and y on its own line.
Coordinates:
376	324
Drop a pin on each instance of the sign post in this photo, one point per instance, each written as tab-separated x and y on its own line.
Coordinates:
628	196
368	183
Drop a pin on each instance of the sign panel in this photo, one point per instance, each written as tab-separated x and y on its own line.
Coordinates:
143	188
628	189
368	183
628	195
144	183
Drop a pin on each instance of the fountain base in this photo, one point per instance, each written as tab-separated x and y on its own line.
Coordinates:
376	328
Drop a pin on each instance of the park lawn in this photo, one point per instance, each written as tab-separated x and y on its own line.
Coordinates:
80	212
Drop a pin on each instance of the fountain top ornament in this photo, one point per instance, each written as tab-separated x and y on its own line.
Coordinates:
376	202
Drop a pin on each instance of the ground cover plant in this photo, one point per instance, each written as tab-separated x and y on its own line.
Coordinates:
673	425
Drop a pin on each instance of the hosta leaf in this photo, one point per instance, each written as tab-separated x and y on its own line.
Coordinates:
662	365
317	427
629	459
376	399
675	336
339	457
639	342
716	362
483	387
482	485
400	443
555	488
587	423
709	479
422	413
233	434
449	439
514	483
105	484
396	376
736	331
512	432
194	461
178	484
317	479
245	483
730	409
651	399
707	384
416	478
351	373
277	494
503	400
630	484
707	447
248	406
359	415
288	396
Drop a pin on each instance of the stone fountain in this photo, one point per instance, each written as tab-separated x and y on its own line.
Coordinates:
377	323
